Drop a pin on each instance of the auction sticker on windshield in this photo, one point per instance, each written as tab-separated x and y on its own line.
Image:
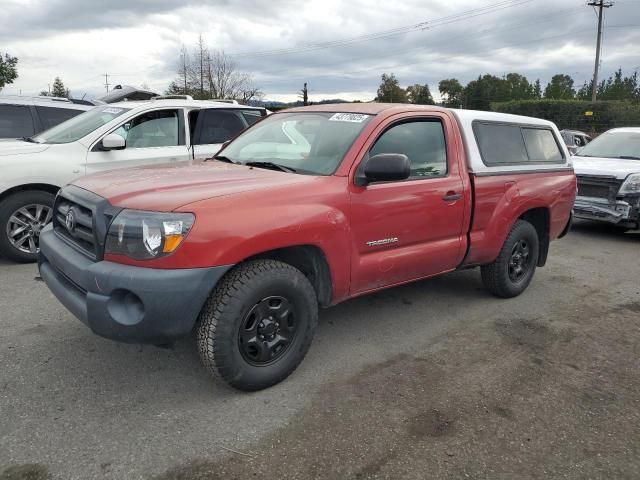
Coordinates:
349	117
113	110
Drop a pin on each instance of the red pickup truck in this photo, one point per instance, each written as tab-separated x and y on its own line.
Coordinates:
307	208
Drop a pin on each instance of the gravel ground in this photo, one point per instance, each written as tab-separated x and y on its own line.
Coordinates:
436	379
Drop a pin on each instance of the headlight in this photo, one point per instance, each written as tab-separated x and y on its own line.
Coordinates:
144	235
631	184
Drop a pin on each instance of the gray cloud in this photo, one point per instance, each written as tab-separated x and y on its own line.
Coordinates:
536	38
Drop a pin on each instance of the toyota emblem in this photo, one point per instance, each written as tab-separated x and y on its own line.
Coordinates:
70	220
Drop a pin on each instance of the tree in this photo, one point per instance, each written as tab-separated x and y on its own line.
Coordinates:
537	90
174	89
390	91
58	89
618	87
518	87
201	66
210	74
451	91
8	69
419	94
560	87
183	71
480	93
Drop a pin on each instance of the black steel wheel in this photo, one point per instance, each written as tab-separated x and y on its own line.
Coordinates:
520	261
257	325
267	331
510	274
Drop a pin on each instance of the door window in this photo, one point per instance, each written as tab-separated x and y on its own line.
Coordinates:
541	145
151	129
15	121
252	116
218	126
422	141
53	116
505	144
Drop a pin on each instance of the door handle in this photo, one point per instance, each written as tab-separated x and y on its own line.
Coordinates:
451	196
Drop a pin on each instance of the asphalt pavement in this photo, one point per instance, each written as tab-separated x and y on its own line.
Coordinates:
436	379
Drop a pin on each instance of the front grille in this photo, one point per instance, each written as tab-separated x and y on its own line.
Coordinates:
91	216
599	186
81	233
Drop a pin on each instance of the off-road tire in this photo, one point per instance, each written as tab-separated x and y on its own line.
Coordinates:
495	276
223	314
7	207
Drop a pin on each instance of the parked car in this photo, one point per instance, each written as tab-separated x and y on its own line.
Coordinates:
608	171
574	139
310	207
108	137
26	116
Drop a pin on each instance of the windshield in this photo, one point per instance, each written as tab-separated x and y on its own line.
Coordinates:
625	145
77	127
313	142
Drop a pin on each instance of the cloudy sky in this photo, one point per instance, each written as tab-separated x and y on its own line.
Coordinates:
340	47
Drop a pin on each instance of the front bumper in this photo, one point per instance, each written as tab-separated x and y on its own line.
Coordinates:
121	302
621	212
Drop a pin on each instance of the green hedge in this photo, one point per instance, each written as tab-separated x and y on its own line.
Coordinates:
571	113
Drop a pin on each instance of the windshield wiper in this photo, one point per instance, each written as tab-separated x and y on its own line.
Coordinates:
221	158
629	157
28	139
271	166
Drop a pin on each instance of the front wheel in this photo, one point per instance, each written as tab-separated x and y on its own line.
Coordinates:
23	215
257	325
510	274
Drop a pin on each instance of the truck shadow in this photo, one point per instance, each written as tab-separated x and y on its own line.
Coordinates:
88	364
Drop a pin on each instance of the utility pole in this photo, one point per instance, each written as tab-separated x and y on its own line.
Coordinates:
305	95
601	4
106	81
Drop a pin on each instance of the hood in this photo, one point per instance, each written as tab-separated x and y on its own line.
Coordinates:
617	167
165	189
17	147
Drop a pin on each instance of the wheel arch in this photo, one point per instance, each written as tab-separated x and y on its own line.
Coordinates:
311	261
540	218
43	187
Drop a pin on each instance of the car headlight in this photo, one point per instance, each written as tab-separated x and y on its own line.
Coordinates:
145	235
631	184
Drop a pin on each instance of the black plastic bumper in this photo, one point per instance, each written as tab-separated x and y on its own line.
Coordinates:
121	302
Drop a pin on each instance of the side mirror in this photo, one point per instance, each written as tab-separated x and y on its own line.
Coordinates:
383	167
113	142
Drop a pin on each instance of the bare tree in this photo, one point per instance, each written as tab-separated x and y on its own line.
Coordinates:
212	74
183	70
201	56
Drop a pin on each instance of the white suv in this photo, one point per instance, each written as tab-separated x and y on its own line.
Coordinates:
25	116
107	137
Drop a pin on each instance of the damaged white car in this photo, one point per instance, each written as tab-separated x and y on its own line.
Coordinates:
608	171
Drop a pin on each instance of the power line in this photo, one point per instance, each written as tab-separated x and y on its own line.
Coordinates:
555	15
389	67
421	26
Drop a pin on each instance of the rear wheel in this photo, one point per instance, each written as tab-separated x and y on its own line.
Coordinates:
23	215
257	325
510	274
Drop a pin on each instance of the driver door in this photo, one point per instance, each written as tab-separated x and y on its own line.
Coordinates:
155	138
410	229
